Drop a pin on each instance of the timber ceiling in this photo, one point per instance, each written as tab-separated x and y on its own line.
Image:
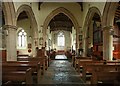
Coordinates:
22	15
61	22
117	13
96	17
117	16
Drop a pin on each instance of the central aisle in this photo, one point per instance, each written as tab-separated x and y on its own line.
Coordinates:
61	73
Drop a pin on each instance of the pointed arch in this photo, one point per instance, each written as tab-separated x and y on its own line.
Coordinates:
30	15
54	13
33	23
90	15
9	13
108	13
88	18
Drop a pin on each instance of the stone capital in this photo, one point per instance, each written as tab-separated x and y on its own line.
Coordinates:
107	28
7	27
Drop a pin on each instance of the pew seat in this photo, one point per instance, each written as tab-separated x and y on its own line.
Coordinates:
99	68
18	76
43	61
22	66
106	77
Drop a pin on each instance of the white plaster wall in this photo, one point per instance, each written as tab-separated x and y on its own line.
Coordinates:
18	4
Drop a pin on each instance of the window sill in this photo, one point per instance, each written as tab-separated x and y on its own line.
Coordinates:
22	48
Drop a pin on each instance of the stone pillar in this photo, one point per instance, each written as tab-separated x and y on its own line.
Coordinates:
11	42
34	44
107	43
44	36
85	46
84	49
77	39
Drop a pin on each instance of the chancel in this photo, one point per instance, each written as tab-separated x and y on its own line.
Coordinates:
60	43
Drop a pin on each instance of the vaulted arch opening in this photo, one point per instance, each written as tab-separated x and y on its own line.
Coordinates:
93	34
26	22
61	30
61	19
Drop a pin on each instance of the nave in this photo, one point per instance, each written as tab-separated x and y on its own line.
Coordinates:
61	73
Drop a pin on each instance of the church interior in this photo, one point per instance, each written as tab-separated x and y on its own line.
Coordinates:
60	43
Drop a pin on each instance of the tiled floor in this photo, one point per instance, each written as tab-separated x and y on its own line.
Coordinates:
61	73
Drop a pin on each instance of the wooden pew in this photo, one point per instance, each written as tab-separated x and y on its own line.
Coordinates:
43	61
23	55
99	67
111	76
7	83
18	76
83	62
22	66
77	59
73	60
46	62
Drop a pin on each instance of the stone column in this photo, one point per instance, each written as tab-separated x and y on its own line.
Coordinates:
77	38
107	43
35	44
11	42
84	48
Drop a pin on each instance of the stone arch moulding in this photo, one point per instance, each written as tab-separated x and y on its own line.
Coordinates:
54	13
9	13
30	15
108	13
90	15
88	18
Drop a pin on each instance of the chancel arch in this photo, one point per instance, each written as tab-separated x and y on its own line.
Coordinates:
65	12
